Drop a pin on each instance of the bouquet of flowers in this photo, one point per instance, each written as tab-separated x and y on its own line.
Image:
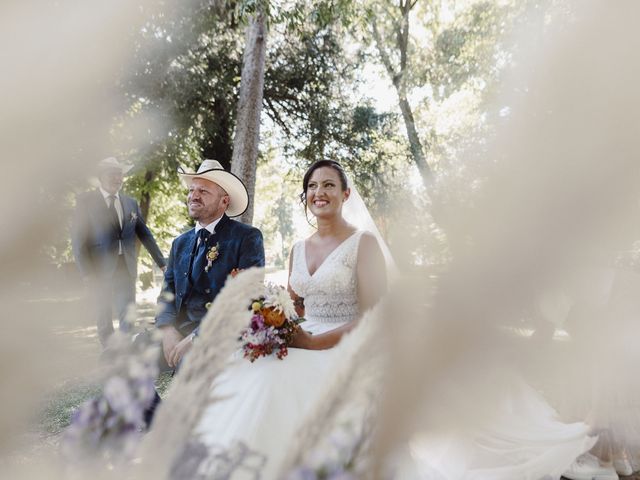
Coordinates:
273	325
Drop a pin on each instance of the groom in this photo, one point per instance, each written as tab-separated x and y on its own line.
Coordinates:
202	258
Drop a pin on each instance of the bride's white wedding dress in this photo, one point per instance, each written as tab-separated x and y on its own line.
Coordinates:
264	402
258	408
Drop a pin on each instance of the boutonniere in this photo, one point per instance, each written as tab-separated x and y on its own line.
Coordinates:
212	254
134	216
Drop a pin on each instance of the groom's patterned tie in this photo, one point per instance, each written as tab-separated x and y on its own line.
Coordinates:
198	261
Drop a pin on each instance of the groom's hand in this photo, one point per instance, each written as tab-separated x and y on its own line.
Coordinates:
170	338
180	350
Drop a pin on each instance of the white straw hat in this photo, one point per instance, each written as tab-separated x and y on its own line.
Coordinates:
212	170
112	162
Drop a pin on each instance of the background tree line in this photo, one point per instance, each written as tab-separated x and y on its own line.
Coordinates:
441	61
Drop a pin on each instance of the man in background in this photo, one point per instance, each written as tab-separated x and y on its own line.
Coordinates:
105	227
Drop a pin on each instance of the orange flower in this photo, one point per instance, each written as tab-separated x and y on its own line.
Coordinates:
272	317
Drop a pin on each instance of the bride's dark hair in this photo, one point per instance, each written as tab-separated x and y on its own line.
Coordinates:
319	164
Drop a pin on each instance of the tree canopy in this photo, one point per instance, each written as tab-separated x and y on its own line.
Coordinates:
440	59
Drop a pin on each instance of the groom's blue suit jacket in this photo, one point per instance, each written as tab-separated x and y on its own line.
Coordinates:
183	303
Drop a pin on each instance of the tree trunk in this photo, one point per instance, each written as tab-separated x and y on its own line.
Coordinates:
247	137
417	150
145	198
398	78
219	145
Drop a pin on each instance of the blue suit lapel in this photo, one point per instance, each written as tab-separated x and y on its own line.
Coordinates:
182	283
189	252
100	203
126	210
103	217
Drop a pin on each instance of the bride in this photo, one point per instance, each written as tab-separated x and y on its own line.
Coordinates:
336	276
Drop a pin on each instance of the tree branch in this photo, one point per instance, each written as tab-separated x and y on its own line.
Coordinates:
403	41
386	60
272	112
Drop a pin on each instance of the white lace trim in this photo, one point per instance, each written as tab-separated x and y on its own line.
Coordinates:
330	294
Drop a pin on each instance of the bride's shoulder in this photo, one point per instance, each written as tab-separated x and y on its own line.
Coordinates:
365	236
368	243
297	245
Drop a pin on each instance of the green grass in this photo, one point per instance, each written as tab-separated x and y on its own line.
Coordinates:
61	403
163	382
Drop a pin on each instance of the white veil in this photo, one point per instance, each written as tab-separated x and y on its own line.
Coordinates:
357	214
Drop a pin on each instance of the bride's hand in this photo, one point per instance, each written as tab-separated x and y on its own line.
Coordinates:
302	339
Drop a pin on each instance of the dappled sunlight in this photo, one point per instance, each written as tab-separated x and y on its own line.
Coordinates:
549	221
514	237
88	332
58	57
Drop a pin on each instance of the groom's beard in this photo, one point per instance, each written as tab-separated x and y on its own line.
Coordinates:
195	213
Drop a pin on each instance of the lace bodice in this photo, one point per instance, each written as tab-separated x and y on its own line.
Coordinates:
330	297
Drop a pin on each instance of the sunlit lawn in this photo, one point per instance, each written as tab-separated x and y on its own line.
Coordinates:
60	403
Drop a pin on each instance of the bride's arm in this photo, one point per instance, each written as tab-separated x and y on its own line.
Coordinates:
371	273
298	301
371	280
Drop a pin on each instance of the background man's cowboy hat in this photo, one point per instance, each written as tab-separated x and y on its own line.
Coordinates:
212	170
113	163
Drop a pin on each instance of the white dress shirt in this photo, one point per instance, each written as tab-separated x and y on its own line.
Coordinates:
211	227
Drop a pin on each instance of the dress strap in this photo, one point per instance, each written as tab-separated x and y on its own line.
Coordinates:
351	254
297	251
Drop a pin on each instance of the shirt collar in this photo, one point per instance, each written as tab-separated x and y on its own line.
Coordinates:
106	194
211	227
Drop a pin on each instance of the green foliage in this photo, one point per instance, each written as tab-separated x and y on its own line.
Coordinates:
465	49
377	159
57	250
275	212
186	77
183	87
168	216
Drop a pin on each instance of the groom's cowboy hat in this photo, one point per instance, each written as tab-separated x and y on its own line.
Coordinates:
212	170
112	163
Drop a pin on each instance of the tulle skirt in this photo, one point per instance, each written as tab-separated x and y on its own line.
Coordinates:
595	373
522	439
257	408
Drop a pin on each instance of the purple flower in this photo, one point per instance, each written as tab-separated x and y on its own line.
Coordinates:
257	322
309	473
118	393
109	426
303	473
